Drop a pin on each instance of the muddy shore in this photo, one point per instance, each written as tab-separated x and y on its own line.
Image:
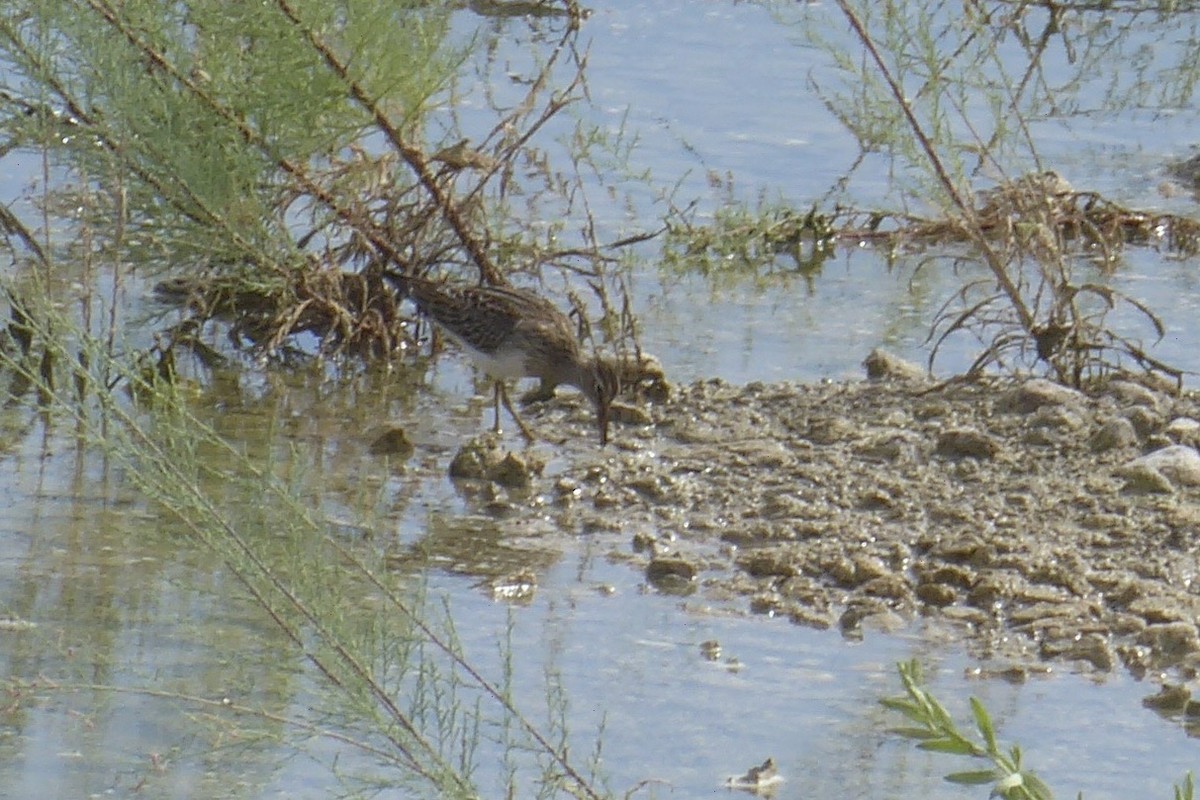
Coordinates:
1039	523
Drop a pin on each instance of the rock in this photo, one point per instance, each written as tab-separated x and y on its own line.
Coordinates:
767	564
1144	479
391	442
1132	394
882	365
666	568
1171	698
936	594
1145	420
482	458
1038	392
626	414
1179	464
1183	430
891	587
966	443
1092	648
1116	434
1062	418
994	588
1171	640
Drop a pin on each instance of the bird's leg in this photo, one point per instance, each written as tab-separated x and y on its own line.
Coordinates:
499	387
502	393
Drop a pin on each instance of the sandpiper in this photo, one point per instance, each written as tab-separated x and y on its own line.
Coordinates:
513	333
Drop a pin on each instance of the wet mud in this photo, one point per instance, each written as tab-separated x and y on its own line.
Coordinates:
1035	522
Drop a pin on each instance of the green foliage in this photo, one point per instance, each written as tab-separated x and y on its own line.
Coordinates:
935	730
741	241
1186	790
191	110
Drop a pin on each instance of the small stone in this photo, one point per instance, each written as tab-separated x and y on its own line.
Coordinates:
767	565
1094	649
628	415
1180	464
936	594
1171	698
475	458
1144	420
882	365
1038	392
1116	434
391	442
892	587
966	443
1183	430
1172	640
1060	418
668	567
1132	394
1144	479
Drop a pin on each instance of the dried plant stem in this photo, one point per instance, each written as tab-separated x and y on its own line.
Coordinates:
971	225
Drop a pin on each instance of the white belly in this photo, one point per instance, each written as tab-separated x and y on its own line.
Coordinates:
510	364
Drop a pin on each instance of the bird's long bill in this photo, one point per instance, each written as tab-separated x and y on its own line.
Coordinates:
602	421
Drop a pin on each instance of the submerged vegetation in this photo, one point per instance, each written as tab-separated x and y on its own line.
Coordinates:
258	166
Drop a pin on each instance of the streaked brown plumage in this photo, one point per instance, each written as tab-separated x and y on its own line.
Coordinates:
513	333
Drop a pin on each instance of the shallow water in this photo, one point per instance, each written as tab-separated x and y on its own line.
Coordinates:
122	597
